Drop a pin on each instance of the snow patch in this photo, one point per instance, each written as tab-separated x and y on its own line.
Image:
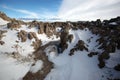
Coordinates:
3	22
38	66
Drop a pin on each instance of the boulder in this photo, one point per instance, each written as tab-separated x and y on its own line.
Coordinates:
70	38
33	24
117	67
41	28
2	33
14	24
22	35
81	46
32	35
2	42
92	53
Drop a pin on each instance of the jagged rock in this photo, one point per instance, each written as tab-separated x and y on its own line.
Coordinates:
22	35
47	29
33	24
2	33
14	24
63	40
117	67
4	16
41	28
92	53
70	37
32	35
101	64
98	23
36	44
47	66
72	52
81	46
2	42
101	57
111	47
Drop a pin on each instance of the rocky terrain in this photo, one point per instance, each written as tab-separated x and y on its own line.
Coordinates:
31	40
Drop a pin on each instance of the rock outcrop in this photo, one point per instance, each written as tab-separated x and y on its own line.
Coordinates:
14	24
22	35
4	16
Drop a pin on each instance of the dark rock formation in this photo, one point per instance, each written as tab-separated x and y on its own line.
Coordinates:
2	33
2	42
81	46
4	16
22	35
32	35
70	38
36	44
63	40
33	24
117	67
14	24
47	66
91	54
41	28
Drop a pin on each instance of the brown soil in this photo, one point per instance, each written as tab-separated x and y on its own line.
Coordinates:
47	66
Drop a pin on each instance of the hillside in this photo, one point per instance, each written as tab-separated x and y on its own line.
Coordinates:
36	50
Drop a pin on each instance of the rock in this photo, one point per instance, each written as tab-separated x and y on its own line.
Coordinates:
92	53
2	42
63	40
72	52
2	33
14	24
70	37
36	44
47	66
32	35
101	64
41	28
81	45
22	35
4	16
33	24
117	67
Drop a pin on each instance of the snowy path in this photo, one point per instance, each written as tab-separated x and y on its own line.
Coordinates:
74	67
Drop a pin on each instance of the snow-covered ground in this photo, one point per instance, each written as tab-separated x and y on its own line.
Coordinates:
24	48
3	22
16	68
80	66
76	67
11	69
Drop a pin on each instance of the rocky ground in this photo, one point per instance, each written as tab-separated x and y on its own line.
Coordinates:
108	42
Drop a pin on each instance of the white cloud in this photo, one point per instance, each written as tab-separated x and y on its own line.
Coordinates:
43	13
89	9
26	12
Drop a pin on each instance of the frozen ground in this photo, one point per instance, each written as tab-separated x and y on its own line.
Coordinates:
76	67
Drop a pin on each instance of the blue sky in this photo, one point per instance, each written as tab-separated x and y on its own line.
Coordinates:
23	8
63	9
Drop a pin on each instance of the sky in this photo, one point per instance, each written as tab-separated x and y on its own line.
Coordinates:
62	9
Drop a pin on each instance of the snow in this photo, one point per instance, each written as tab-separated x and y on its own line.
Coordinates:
51	52
10	39
113	23
3	22
43	37
114	59
79	66
38	66
10	69
76	67
58	29
24	48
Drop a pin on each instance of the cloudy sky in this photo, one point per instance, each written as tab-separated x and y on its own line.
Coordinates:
63	9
